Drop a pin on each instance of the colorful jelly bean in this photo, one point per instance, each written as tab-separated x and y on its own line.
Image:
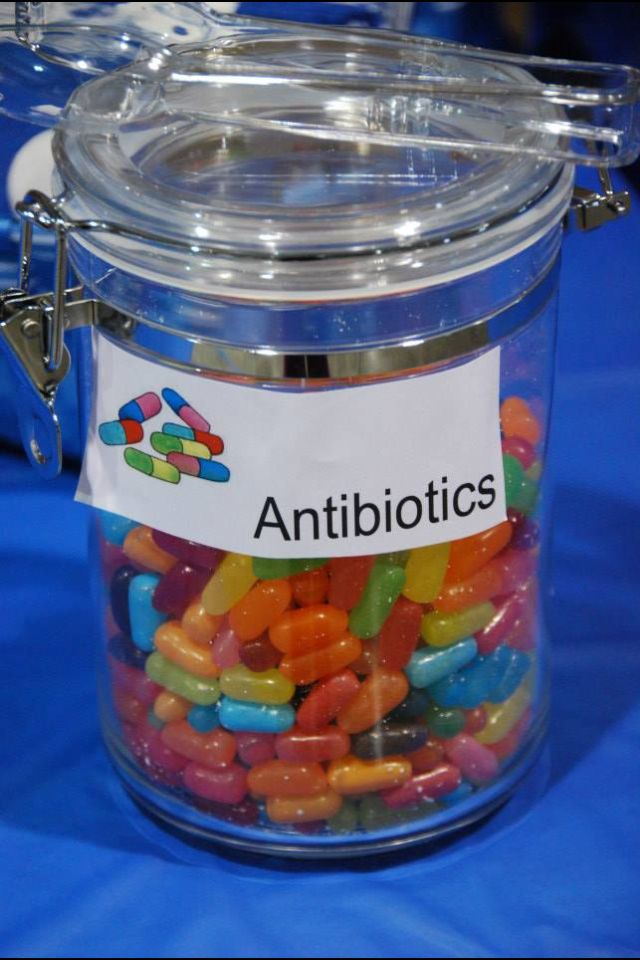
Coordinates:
429	664
427	757
269	687
430	785
502	717
521	449
178	587
259	654
388	739
443	629
197	689
309	809
413	705
128	707
518	420
326	699
122	648
232	579
444	722
211	441
309	667
174	645
277	778
142	408
193	466
475	720
475	761
425	572
520	490
378	597
225	647
200	626
169	706
268	569
348	578
261	607
144	619
151	466
203	719
508	611
255	748
309	628
214	749
470	554
119	592
135	682
120	432
255	717
188	551
509	744
399	635
114	528
183	410
350	775
298	746
311	587
141	548
223	784
378	695
462	792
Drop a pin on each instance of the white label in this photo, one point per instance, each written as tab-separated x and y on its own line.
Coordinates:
330	472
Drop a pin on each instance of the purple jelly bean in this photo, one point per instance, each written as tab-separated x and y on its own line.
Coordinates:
122	648
119	592
526	535
178	587
188	551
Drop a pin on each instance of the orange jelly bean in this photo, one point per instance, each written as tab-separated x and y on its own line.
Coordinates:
277	778
380	693
259	608
170	706
140	547
351	775
299	746
310	587
175	644
319	663
200	626
470	554
303	809
518	420
309	628
214	749
478	588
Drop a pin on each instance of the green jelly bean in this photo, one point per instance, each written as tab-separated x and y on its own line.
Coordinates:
378	597
397	559
521	490
152	466
444	722
345	820
375	814
202	690
268	569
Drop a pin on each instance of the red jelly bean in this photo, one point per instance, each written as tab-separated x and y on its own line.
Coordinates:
426	758
254	748
470	554
474	720
214	749
367	662
259	654
188	551
298	746
179	587
378	695
521	449
224	785
424	786
348	578
276	778
399	635
147	745
325	701
311	587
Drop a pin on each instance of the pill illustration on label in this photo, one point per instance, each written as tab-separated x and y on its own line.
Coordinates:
141	408
151	466
116	432
186	413
195	467
212	441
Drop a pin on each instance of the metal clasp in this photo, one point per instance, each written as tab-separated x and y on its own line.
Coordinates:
32	335
591	209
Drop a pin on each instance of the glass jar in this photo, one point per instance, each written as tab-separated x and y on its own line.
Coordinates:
317	401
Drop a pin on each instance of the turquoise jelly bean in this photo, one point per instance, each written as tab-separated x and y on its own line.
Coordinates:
204	719
378	597
203	690
257	717
461	792
114	527
511	678
428	664
469	687
144	618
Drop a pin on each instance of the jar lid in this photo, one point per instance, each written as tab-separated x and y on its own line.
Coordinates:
302	163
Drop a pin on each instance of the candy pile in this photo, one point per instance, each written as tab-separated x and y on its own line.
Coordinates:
328	695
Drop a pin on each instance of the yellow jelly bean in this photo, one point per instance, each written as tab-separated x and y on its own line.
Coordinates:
268	686
502	717
303	809
233	578
350	775
425	572
169	706
443	629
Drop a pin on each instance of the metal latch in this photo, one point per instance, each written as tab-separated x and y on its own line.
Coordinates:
592	209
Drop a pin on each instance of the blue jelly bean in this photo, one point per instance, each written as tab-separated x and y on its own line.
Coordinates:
178	430
430	664
143	616
484	677
204	719
511	678
114	527
119	593
414	704
122	648
461	792
256	717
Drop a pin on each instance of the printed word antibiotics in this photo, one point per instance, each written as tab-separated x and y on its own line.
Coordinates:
352	516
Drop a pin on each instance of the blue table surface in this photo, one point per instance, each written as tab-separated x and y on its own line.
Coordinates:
554	874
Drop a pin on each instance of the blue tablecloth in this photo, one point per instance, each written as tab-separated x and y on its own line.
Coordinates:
84	874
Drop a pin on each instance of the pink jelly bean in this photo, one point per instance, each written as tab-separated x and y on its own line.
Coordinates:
424	786
254	748
226	647
508	612
178	587
515	568
146	743
521	449
225	785
187	550
135	682
476	762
